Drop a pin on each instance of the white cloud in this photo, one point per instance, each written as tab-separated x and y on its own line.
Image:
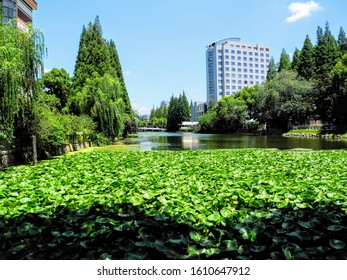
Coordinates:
127	73
301	10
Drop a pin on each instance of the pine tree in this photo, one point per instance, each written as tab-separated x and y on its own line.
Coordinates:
296	60
99	87
93	54
306	64
342	41
116	65
326	55
271	73
284	63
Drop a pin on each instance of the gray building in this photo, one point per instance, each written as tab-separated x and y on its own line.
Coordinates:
198	109
232	65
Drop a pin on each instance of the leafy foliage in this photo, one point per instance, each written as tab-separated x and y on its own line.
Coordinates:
21	62
178	112
58	83
99	87
230	204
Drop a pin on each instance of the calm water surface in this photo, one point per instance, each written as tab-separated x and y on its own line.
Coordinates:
192	141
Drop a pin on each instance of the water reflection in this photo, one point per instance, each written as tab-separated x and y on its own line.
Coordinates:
191	141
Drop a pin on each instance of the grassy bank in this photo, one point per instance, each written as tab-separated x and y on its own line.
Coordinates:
317	133
234	204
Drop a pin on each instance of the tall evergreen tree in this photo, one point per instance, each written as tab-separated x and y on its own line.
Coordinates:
326	55
99	87
178	112
93	54
271	73
116	65
296	60
342	41
306	64
284	63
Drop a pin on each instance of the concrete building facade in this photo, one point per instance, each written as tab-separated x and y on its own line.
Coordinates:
21	10
232	65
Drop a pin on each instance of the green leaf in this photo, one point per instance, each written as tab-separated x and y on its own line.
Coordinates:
337	244
226	213
215	217
335	228
197	237
136	200
231	245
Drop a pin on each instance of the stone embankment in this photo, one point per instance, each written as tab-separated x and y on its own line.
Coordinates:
312	135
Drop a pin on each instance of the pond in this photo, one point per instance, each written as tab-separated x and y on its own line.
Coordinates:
191	141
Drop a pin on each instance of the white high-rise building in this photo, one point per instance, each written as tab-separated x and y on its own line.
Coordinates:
232	65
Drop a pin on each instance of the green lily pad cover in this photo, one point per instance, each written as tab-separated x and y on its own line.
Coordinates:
220	204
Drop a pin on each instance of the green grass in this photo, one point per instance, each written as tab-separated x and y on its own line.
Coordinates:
245	204
304	131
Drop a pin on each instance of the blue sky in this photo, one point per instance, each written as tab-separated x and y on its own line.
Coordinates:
162	43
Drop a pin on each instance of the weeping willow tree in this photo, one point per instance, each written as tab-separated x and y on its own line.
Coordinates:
21	63
101	98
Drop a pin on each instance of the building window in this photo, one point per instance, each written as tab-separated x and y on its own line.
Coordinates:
250	53
238	52
219	51
226	57
244	53
226	51
233	51
9	8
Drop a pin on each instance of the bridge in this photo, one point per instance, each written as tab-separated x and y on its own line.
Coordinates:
151	129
